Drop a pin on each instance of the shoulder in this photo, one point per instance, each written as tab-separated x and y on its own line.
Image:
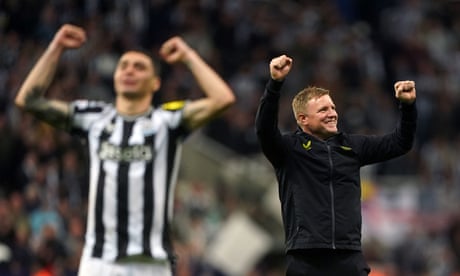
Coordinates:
170	113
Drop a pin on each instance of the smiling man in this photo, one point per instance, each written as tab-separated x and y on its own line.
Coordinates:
133	149
318	172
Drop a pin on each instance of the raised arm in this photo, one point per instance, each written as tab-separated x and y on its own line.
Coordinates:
406	93
218	95
267	113
267	130
31	94
377	148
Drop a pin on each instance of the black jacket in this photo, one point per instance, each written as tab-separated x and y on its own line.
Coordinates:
319	181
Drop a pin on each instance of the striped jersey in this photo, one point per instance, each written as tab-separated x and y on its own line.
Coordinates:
133	167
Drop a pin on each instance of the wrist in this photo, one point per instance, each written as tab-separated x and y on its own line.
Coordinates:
407	105
188	56
275	85
55	48
407	102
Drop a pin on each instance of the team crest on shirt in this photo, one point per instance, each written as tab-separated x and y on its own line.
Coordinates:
129	153
147	128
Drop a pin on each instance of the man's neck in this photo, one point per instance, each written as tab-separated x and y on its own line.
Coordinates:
133	107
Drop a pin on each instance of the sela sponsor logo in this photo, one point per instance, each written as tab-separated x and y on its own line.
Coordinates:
108	151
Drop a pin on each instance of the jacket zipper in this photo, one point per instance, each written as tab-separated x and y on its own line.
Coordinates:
331	190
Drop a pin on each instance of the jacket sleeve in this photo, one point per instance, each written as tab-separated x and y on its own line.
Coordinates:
382	148
268	133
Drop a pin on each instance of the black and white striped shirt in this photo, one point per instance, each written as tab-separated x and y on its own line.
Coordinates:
133	169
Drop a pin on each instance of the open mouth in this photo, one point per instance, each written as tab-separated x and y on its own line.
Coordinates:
331	124
128	82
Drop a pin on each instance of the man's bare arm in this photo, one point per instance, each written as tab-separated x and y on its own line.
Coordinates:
31	94
218	96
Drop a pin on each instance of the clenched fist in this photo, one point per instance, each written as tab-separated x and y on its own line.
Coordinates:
280	67
69	37
175	49
405	91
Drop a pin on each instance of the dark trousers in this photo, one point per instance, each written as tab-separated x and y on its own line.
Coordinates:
326	262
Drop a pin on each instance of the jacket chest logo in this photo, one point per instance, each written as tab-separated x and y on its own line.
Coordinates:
307	146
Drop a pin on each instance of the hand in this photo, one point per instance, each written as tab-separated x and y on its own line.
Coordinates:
175	49
405	91
69	36
280	67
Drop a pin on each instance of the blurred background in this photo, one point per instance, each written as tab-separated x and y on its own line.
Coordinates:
227	213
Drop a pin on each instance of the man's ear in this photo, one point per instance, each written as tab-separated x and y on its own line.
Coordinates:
155	84
302	119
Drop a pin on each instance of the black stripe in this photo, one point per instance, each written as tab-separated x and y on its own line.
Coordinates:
148	199
166	238
88	109
99	225
122	195
99	204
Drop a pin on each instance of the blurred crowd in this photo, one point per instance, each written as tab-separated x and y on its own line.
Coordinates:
355	48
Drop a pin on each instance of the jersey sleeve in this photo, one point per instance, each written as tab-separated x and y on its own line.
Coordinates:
83	114
174	114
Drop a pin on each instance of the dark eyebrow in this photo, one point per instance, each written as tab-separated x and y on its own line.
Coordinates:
139	62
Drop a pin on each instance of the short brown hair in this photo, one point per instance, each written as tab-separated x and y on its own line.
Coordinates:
300	100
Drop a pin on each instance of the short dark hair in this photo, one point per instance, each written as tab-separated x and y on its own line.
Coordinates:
155	61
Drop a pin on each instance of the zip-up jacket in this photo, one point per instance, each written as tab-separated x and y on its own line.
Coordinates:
319	180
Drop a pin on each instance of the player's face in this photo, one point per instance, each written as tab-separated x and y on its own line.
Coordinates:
135	76
321	117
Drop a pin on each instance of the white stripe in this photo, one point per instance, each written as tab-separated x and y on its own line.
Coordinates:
136	205
161	144
109	214
136	197
93	144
